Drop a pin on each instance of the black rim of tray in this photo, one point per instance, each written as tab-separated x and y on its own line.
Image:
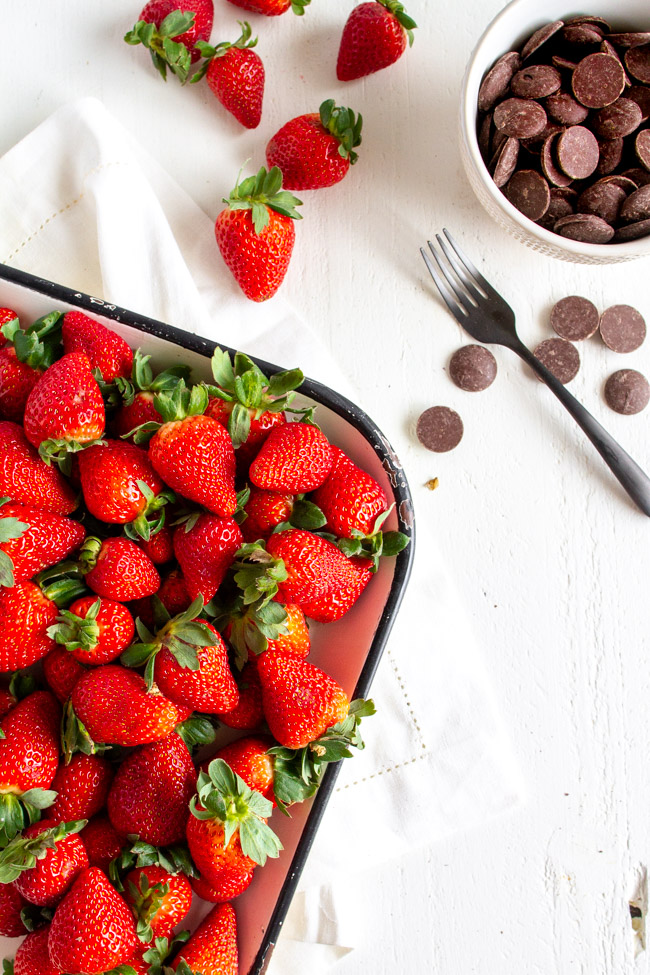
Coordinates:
404	561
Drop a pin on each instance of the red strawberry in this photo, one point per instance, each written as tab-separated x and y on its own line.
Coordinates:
105	349
159	547
26	479
151	792
314	565
120	486
264	511
350	499
300	700
206	891
296	639
11	904
94	630
212	949
159	900
172	594
117	569
333	605
93	929
45	539
17	380
32	957
61	671
273	8
374	37
44	861
180	24
140	410
248	757
65	406
205	553
235	74
115	707
102	841
224	867
139	390
247	715
26	614
6	315
208	689
23	360
296	457
252	629
256	233
316	150
81	788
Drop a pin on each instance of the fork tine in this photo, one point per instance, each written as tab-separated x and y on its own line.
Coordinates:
487	287
461	271
461	296
445	293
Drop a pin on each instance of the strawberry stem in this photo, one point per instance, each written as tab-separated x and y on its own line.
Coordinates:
396	8
344	125
261	193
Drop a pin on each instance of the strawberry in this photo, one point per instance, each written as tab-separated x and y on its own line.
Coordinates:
333	605
81	787
255	233
317	149
350	499
205	551
65	410
24	357
253	629
105	349
151	792
26	479
205	890
11	904
170	29
210	687
32	957
135	395
29	757
296	457
159	900
139	410
249	758
17	379
6	315
313	564
32	540
235	74
121	487
300	701
93	929
295	640
212	949
247	714
61	671
117	569
102	841
115	707
26	614
44	861
159	547
273	8
94	630
172	594
374	36
265	510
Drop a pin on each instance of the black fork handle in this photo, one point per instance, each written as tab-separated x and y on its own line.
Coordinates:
627	471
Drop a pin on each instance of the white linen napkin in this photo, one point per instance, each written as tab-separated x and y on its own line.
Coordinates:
106	219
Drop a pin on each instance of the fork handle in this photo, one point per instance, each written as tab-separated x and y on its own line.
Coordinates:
627	471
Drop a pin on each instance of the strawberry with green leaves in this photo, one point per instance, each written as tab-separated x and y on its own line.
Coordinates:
249	759
273	8
170	30
32	540
172	594
375	36
265	510
94	630
24	357
235	74
212	949
118	569
6	315
81	788
134	396
44	861
295	457
106	350
256	233
350	499
314	565
205	548
159	900
27	479
317	149
159	547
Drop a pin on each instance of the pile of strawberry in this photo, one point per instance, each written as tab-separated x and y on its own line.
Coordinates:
255	233
162	544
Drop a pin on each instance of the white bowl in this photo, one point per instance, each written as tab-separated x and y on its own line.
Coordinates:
507	32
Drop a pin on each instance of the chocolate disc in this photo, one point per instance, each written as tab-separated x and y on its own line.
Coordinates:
633	231
560	357
610	154
519	117
642	147
585	227
618	119
637	62
598	80
630	39
591	20
603	199
495	84
547	161
504	162
582	34
439	429
529	192
622	328
607	48
561	205
577	152
641	95
564	63
637	205
639	176
562	107
627	391
540	37
574	318
626	184
473	368
537	81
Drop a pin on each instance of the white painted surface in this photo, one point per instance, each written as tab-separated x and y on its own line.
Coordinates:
551	557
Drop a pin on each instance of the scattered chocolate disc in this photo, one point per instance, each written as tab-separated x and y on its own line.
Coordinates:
574	318
642	146
585	227
497	80
519	117
637	205
560	357
439	429
598	80
617	120
537	81
602	199
637	62
633	231
622	328
563	108
577	152
627	391
504	162
540	37
529	192
473	368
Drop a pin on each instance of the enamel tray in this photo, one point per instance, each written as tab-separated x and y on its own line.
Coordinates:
349	649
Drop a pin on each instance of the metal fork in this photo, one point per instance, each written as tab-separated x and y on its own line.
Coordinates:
488	318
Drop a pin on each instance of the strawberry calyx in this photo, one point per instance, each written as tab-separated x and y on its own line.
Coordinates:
40	344
23	852
34	917
196	731
261	193
176	402
344	125
165	51
297	773
122	392
298	7
62	583
374	545
19	811
209	52
77	632
257	574
396	8
10	529
223	795
173	859
160	949
145	901
242	382
152	518
305	515
250	627
60	451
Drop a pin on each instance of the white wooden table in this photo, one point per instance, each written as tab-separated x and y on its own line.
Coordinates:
552	559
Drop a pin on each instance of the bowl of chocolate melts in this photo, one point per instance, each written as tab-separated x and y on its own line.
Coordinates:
555	127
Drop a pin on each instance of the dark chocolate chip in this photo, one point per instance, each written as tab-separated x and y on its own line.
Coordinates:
561	205
585	227
626	184
537	81
629	39
641	95
577	152
547	161
504	162
529	192
627	391
484	135
598	80
560	357
622	328
562	107
637	205
564	63
439	429
637	175
618	119
574	318
610	154
642	147
540	37
607	48
593	21
637	62
495	84
603	199
582	34
473	368
519	117
632	231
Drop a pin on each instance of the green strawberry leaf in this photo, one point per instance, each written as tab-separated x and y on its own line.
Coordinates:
7	577
23	853
307	515
196	731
